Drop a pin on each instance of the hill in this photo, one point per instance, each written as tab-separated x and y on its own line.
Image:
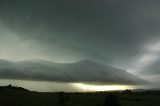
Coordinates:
13	96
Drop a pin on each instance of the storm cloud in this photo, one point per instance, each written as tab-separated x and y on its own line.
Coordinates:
123	34
86	29
85	71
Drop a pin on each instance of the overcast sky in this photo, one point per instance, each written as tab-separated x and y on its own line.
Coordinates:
123	34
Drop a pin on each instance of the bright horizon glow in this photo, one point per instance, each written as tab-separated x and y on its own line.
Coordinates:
45	86
87	87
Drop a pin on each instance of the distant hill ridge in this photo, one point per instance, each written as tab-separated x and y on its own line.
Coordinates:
13	88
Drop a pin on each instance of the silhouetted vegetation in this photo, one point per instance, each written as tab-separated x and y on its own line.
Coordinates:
14	87
127	91
18	96
63	98
111	100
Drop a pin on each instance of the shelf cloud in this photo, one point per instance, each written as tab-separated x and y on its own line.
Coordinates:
123	34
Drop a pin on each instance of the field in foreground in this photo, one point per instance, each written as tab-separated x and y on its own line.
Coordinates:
16	96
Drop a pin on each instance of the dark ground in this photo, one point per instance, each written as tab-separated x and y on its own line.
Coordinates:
17	96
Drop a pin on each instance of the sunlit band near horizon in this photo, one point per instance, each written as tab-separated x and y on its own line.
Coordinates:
87	87
45	86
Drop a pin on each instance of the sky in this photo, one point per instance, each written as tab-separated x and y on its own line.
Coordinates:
119	34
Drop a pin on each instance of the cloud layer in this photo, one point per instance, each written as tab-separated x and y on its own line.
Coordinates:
83	71
100	30
119	33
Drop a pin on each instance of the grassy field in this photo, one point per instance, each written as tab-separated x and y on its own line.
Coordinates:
22	97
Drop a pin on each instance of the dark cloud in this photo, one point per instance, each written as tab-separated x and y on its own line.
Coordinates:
112	32
83	71
116	29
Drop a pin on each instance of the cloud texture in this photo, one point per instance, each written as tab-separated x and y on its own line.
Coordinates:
83	71
118	33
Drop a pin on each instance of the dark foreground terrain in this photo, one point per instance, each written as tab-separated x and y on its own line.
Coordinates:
17	96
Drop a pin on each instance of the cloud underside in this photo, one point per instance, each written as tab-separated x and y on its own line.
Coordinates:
83	71
121	33
74	30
